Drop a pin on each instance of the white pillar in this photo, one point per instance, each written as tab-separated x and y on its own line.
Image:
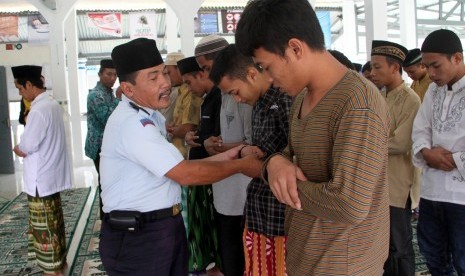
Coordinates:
375	26
408	26
186	10
349	21
56	19
172	41
74	87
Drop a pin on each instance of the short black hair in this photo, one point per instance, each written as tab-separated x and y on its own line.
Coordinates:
230	62
342	59
37	82
272	23
366	66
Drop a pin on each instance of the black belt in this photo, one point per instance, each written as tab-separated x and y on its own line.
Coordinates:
157	214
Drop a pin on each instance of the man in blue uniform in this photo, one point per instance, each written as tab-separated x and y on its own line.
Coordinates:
143	232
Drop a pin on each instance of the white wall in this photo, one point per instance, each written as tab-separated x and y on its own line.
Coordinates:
28	55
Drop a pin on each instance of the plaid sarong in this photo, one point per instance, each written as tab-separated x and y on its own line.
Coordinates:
47	239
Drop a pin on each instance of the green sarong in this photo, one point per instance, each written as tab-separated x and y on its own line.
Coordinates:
47	239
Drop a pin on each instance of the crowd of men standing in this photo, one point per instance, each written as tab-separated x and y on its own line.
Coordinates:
291	163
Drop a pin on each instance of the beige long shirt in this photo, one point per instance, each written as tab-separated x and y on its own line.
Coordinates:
403	105
420	86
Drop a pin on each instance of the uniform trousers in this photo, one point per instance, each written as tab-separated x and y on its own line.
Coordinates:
159	248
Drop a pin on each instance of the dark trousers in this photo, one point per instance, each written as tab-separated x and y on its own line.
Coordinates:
441	237
159	248
230	230
97	167
401	259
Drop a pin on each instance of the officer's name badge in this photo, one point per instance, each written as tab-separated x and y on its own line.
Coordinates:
146	121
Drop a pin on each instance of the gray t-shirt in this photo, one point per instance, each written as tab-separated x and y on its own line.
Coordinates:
229	194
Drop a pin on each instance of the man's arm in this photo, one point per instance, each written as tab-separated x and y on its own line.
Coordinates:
200	172
359	161
34	133
401	140
422	132
459	161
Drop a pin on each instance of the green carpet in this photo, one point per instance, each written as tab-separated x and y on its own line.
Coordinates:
87	261
14	227
3	203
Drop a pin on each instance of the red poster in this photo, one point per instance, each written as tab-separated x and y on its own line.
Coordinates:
9	28
106	22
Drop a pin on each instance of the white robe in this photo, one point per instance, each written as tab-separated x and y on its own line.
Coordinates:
441	122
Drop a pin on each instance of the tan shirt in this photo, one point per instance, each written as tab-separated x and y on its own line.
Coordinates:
186	111
403	104
420	86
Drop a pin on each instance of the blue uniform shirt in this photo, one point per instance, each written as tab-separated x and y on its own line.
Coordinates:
134	160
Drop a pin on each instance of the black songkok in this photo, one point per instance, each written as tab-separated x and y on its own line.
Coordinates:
135	55
188	65
443	42
388	49
413	57
106	63
27	72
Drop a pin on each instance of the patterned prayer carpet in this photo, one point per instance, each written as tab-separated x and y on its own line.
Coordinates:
3	203
14	227
88	263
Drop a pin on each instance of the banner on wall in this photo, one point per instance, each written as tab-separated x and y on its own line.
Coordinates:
230	18
106	22
206	22
143	24
38	29
324	17
9	28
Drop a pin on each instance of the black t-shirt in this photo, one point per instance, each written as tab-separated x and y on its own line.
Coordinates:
209	122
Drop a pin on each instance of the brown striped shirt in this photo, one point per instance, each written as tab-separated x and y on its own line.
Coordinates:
341	146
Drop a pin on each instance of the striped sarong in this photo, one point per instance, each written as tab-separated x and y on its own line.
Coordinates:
47	239
264	255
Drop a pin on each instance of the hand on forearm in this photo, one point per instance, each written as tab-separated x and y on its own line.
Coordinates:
251	150
282	178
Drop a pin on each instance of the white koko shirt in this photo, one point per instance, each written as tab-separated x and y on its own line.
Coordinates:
46	165
441	122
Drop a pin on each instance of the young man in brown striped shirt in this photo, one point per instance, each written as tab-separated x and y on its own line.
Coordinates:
332	175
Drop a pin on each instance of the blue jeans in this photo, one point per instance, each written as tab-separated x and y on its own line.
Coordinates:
441	236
